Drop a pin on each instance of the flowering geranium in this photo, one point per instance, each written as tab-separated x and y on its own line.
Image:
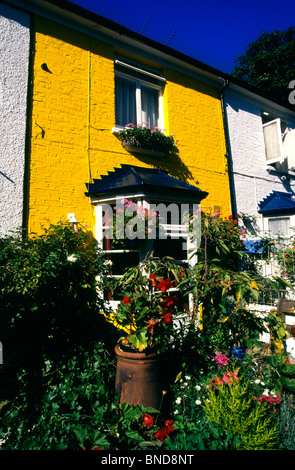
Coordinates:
149	303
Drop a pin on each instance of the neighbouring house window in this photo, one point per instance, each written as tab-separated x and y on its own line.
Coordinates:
279	140
138	95
279	230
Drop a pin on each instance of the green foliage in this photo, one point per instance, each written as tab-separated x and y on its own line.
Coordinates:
193	430
221	288
48	292
285	370
234	410
276	326
268	63
286	258
286	423
147	308
144	137
58	377
76	403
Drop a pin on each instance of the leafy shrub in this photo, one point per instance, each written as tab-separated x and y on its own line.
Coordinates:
48	292
286	423
49	302
57	380
193	430
77	401
231	407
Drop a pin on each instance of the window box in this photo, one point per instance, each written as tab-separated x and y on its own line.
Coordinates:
142	139
143	151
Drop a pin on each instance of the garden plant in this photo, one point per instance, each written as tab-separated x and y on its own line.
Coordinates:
224	391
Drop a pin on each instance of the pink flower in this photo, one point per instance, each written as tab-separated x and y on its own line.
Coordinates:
221	359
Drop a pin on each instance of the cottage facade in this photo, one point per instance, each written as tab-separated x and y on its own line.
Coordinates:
89	77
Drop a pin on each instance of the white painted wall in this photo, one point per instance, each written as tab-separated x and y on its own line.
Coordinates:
252	181
14	61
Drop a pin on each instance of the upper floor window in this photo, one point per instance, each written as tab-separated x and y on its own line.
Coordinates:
279	139
138	95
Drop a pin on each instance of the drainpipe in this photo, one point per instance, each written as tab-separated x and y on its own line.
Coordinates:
228	149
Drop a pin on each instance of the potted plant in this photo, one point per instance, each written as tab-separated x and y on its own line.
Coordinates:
149	302
143	139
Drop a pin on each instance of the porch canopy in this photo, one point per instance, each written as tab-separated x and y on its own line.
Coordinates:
277	202
146	182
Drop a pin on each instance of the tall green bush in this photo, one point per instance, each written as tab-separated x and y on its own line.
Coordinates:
49	300
222	284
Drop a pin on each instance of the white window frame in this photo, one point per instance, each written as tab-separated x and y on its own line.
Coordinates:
282	238
289	148
285	134
174	230
280	158
138	84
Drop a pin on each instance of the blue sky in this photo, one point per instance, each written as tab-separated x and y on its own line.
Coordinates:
211	31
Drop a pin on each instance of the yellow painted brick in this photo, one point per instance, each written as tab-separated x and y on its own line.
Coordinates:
71	130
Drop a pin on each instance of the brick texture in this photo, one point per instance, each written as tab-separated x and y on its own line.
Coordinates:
73	116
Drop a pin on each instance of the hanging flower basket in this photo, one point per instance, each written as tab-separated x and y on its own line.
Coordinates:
144	140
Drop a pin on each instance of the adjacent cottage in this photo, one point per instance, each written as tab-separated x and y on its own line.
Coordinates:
261	136
14	73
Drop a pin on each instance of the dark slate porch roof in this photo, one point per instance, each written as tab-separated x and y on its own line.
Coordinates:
131	178
276	203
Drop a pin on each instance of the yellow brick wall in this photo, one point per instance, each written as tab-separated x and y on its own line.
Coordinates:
73	113
195	117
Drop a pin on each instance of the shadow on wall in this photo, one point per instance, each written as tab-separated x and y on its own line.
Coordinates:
170	163
285	180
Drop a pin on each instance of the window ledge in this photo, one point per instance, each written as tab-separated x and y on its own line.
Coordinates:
290	173
143	151
116	129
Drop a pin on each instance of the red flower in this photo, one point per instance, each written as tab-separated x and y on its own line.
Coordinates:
164	284
165	431
126	300
153	277
167	318
170	302
148	420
